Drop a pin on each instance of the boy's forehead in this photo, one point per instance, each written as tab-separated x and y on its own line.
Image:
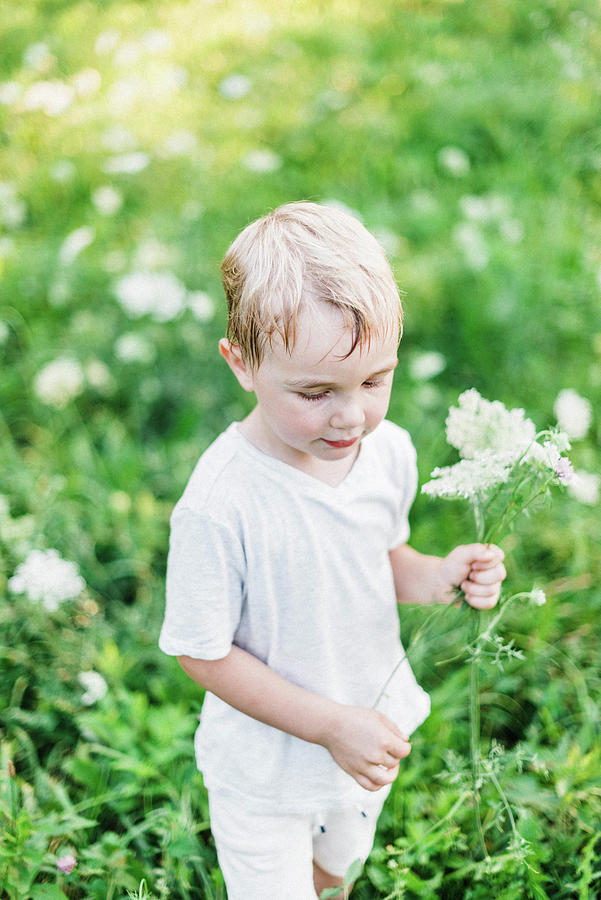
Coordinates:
323	340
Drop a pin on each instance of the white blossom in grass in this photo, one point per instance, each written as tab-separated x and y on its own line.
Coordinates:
537	597
469	478
201	305
38	56
51	97
426	365
118	139
98	375
59	382
573	413
107	200
585	487
133	348
10	92
13	210
262	160
75	243
87	82
95	687
63	170
179	143
106	41
477	425
470	240
126	163
455	161
47	578
158	294
234	86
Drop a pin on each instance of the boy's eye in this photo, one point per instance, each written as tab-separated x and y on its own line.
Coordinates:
371	384
310	397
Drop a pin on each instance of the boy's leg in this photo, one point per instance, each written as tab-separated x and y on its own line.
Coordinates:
343	836
262	857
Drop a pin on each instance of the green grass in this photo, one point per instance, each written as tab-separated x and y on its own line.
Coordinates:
354	102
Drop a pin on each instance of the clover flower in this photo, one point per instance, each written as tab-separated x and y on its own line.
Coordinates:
66	863
47	578
159	294
95	687
537	597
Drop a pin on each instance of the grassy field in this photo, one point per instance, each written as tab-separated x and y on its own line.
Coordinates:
136	140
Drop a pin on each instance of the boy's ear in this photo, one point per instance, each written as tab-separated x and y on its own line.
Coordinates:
233	357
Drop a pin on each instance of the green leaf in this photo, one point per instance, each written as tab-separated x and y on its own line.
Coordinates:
47	892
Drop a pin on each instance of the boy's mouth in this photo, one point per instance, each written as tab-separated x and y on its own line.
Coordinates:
341	444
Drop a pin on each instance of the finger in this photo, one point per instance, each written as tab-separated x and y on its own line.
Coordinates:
482	602
487	576
480	590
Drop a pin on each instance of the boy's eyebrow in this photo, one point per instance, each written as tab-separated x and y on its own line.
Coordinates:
307	383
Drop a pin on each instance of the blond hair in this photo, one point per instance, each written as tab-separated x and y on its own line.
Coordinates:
302	253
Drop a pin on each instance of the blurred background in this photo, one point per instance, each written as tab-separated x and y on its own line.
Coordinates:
136	140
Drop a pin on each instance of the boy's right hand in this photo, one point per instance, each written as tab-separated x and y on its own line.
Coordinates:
367	745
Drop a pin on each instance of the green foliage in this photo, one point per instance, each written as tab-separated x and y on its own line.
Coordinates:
140	138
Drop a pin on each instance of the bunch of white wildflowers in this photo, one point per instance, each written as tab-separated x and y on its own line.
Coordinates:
498	447
47	578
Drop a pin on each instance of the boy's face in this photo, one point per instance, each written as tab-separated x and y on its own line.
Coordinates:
317	403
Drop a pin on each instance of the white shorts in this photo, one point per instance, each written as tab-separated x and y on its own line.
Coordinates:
270	857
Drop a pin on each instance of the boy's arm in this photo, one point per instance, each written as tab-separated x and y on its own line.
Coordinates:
362	741
475	568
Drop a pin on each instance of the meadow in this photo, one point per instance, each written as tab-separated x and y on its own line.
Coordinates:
136	140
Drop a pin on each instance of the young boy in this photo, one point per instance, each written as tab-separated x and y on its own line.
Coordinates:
289	553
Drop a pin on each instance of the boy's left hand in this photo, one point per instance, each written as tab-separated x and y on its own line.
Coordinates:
475	568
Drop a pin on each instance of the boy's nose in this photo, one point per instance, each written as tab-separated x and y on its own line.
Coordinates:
349	414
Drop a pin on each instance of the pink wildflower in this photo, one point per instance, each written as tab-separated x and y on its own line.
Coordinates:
66	863
564	470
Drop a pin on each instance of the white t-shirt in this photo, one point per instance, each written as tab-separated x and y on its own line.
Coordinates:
296	572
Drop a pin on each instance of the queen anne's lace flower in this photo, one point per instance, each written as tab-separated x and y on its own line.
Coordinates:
478	424
47	578
469	477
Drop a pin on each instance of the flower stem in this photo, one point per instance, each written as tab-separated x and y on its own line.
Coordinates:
474	708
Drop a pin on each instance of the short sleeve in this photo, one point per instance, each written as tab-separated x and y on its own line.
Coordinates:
404	476
205	583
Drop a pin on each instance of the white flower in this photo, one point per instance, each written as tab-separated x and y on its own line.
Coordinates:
454	160
179	143
201	305
126	163
477	425
234	87
159	294
37	56
475	207
156	41
12	208
131	348
87	82
46	577
59	381
470	477
74	243
426	365
511	230
585	487
261	160
10	92
107	200
52	97
573	413
537	597
468	237
118	139
95	687
106	41
63	170
98	375
549	455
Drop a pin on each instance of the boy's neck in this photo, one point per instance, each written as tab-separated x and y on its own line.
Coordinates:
331	472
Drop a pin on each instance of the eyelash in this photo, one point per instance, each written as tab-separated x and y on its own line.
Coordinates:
314	397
